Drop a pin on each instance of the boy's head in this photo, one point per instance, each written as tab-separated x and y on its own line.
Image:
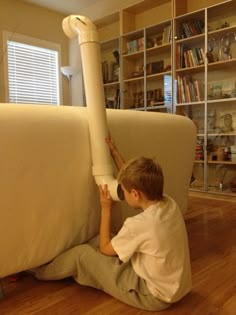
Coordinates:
142	174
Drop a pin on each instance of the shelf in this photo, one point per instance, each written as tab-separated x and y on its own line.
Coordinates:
232	134
149	108
189	104
156	106
187	12
136	108
225	192
221	162
191	69
197	189
141	78
158	49
222	100
222	31
191	39
222	64
213	191
134	55
158	75
111	84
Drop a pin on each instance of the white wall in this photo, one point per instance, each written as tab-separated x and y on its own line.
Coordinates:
76	81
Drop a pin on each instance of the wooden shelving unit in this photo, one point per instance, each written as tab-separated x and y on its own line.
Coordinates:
171	59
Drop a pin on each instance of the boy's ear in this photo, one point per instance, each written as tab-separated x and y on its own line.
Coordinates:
136	194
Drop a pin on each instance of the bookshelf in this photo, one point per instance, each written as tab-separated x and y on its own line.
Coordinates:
179	56
204	63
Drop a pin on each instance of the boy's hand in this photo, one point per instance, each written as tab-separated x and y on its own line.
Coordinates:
105	197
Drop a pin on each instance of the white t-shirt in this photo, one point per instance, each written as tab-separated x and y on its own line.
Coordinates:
156	242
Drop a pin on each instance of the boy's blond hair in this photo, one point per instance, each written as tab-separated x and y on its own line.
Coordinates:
142	174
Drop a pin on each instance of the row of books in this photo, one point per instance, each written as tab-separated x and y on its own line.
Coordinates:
138	44
135	45
186	57
188	89
110	71
191	28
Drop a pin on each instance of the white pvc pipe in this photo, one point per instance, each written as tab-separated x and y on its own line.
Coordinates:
77	25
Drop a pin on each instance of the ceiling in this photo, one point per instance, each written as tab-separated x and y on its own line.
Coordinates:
65	6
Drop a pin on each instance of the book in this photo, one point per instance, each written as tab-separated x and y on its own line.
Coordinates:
197	90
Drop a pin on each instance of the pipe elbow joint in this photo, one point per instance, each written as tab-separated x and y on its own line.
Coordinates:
114	187
81	26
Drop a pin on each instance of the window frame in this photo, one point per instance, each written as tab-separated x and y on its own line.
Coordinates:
33	41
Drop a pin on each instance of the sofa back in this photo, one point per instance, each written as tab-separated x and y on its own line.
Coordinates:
49	201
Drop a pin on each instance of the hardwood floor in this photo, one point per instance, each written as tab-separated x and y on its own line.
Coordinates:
211	226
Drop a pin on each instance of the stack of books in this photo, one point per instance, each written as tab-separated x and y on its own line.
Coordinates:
189	57
188	89
191	28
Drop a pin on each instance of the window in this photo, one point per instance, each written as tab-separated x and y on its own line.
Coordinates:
32	71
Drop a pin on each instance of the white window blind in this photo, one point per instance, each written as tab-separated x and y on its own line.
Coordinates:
33	76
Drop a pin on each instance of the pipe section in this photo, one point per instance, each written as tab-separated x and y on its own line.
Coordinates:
77	25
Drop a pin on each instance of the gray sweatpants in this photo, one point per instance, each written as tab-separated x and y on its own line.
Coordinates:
89	267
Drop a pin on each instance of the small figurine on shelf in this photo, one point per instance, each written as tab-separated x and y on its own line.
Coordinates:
228	123
157	42
225	52
224	25
116	56
221	171
211	47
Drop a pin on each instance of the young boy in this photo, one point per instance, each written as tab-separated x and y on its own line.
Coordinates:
146	264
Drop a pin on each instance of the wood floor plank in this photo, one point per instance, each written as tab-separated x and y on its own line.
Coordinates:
211	226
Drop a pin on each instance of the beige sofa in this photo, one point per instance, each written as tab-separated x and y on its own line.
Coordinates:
49	200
